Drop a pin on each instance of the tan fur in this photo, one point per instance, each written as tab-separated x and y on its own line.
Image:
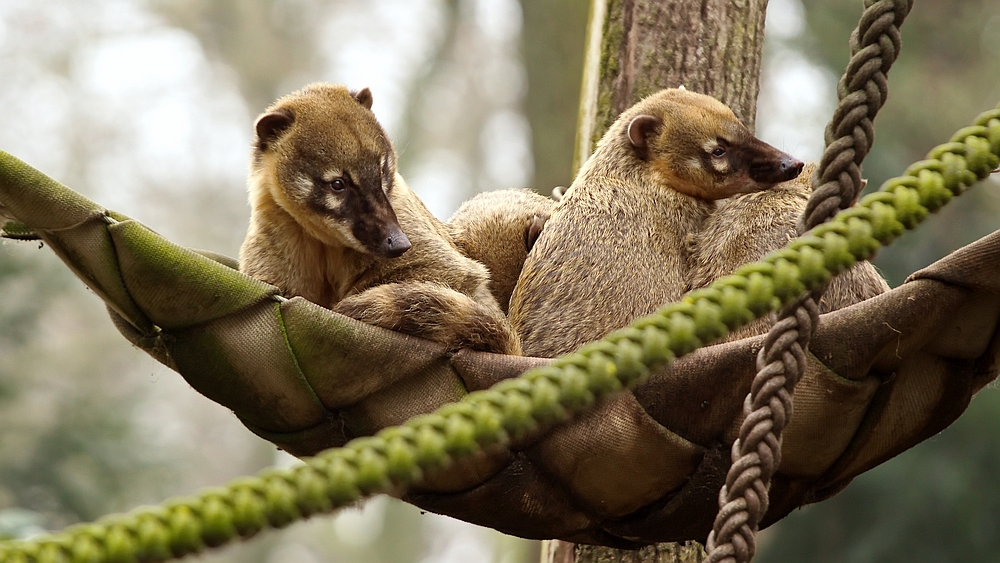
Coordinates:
435	312
614	248
316	253
498	229
744	229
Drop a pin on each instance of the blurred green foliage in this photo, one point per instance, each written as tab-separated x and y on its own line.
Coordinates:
947	73
65	449
939	501
936	502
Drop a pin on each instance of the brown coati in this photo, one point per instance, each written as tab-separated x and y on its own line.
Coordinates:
498	228
615	247
745	228
333	222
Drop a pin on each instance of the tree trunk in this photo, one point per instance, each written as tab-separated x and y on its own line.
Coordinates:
635	48
555	551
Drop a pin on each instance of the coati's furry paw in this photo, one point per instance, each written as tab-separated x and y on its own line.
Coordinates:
435	312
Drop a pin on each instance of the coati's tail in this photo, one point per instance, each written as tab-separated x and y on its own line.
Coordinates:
435	312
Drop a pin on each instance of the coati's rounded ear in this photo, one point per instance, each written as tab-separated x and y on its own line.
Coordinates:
272	123
534	231
364	97
641	128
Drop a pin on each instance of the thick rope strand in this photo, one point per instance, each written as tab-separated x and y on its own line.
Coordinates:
397	457
837	182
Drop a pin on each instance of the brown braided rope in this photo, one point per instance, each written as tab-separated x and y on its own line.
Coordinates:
837	182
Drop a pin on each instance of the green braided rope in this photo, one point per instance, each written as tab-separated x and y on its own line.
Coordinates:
397	457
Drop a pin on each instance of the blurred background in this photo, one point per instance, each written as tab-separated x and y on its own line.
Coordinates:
147	107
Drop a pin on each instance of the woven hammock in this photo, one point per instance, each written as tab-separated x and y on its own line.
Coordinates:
642	466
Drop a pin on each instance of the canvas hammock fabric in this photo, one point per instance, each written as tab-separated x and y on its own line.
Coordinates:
644	465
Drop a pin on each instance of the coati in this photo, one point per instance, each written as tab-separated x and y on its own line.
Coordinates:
745	228
333	222
498	228
614	248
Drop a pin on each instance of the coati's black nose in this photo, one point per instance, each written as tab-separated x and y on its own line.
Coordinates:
789	167
395	243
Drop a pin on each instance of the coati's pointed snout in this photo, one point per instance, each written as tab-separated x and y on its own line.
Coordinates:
774	167
790	167
395	243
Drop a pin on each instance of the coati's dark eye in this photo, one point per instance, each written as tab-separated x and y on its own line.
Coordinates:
337	184
718	152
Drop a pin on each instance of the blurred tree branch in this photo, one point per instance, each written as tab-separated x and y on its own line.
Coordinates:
266	42
552	49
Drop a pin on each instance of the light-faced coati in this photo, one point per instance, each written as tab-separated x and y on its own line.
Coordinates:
614	248
745	228
328	217
498	228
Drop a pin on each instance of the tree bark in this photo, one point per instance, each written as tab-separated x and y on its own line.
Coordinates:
565	552
635	48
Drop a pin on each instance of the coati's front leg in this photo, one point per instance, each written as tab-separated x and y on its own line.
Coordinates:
435	312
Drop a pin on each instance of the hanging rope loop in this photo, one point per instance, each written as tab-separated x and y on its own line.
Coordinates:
862	91
837	183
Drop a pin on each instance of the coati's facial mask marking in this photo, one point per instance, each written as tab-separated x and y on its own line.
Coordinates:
695	145
329	192
717	155
327	177
359	212
330	175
